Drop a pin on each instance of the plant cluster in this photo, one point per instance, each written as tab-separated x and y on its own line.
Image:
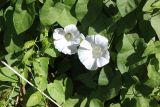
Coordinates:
131	77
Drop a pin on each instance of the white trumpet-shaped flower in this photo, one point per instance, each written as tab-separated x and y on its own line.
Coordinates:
66	40
93	52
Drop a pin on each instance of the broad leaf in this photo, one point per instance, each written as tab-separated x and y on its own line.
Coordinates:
41	66
127	6
103	79
23	18
95	103
34	99
70	103
155	22
56	91
7	75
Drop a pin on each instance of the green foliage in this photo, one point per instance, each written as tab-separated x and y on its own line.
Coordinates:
132	77
34	99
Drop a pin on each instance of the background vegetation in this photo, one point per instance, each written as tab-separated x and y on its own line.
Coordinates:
132	78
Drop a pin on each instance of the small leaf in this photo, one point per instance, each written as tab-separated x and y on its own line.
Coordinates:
96	103
152	48
25	75
70	102
115	105
69	2
84	103
148	6
156	4
127	6
52	52
29	44
27	55
56	91
41	66
41	82
155	22
153	74
34	99
103	80
7	75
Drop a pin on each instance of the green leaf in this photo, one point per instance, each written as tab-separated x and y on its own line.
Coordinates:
25	75
12	42
47	46
61	89
52	52
129	58
41	82
152	48
7	75
69	2
135	99
87	11
153	73
27	55
70	102
103	80
146	30
56	91
127	6
108	92
65	18
49	13
29	44
40	66
115	105
1	20
148	6
126	50
84	103
30	1
23	18
81	9
155	22
13	58
60	13
34	99
156	4
96	103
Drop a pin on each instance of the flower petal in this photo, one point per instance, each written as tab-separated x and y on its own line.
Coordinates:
84	54
60	44
58	34
103	60
85	45
85	57
82	36
90	63
101	40
87	60
91	39
72	29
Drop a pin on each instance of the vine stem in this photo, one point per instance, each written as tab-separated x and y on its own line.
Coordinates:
110	42
30	83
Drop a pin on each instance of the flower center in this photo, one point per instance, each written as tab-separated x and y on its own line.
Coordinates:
68	36
96	51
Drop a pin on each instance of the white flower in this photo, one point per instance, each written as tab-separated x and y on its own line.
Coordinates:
93	52
66	40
